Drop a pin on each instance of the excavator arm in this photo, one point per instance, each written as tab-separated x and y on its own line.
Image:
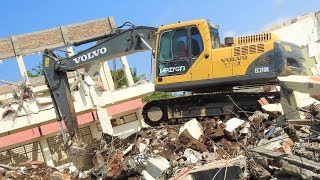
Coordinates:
121	43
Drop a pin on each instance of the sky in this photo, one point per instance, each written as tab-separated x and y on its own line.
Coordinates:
234	17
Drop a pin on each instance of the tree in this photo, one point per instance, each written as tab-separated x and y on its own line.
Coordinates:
120	78
36	71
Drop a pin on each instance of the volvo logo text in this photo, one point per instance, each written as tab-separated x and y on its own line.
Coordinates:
230	59
90	55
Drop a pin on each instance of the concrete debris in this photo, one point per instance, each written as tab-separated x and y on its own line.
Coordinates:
194	128
291	164
126	151
234	168
32	170
236	127
273	109
257	118
44	100
156	166
233	124
261	146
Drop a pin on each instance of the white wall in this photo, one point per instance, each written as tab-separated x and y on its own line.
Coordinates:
303	31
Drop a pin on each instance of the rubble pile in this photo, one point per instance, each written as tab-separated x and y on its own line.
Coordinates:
261	146
31	170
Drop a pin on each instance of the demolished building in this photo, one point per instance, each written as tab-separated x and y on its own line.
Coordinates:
263	145
28	127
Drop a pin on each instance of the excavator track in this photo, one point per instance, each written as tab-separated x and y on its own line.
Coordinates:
217	105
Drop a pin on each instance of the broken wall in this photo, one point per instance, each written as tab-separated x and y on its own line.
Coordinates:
305	32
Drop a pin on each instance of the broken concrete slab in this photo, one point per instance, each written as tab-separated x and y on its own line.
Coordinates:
192	155
236	127
273	109
156	166
147	176
193	127
281	143
233	123
223	169
274	143
299	166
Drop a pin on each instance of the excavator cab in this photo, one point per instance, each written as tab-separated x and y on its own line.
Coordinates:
184	54
190	57
181	45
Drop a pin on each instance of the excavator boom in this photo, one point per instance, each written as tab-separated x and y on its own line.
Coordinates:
119	44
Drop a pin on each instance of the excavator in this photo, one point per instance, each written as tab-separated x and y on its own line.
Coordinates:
188	56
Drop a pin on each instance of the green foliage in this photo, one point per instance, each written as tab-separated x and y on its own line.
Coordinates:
36	71
157	95
120	77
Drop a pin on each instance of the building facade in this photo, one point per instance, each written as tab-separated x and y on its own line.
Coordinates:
29	130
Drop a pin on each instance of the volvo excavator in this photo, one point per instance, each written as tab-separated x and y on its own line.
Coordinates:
188	56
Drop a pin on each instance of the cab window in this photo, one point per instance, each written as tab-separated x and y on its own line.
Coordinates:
215	40
173	44
173	52
196	42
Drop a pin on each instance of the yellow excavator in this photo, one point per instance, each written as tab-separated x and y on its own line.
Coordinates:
188	56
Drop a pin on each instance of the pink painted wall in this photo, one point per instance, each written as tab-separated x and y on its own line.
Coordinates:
123	107
19	137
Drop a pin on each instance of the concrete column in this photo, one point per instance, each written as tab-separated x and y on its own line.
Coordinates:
22	67
103	77
140	118
94	130
127	71
107	73
46	151
104	120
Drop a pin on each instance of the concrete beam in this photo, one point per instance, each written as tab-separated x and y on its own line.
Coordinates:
106	70
22	67
103	77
